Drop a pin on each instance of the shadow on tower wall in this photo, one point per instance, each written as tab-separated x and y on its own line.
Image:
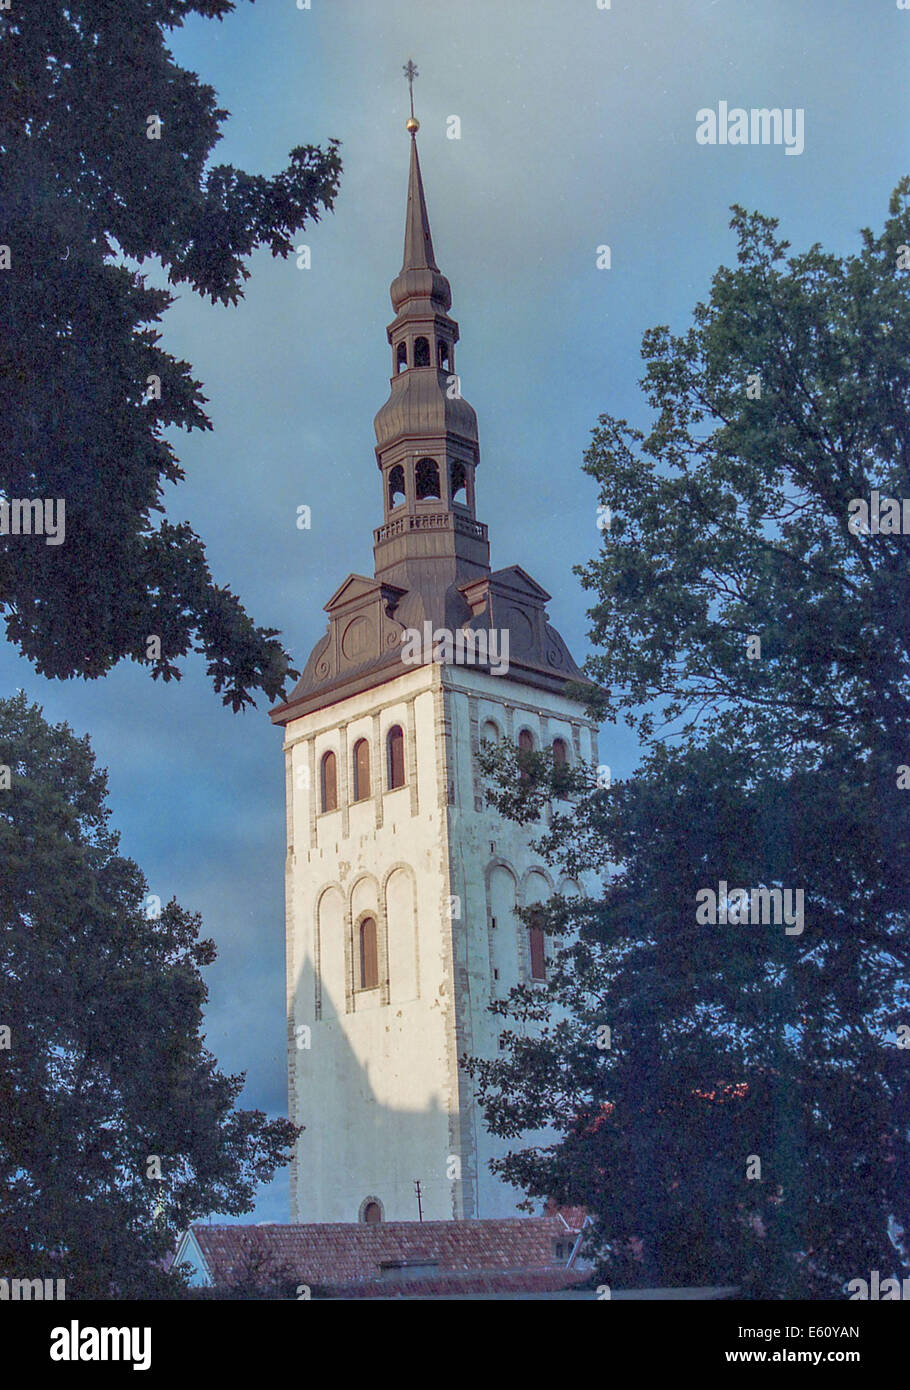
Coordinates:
356	1147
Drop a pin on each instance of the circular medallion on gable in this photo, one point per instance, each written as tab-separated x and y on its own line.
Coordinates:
357	639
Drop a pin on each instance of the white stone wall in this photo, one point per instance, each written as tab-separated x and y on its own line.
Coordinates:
494	869
373	1075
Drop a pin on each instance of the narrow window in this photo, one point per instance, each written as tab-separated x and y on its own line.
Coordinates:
525	746
421	352
395	747
329	782
427	478
401	358
560	753
536	943
372	1214
444	356
396	487
361	769
369	956
458	479
490	732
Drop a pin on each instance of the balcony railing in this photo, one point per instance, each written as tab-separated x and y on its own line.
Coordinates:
431	521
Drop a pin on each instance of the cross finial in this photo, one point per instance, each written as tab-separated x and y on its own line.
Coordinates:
410	72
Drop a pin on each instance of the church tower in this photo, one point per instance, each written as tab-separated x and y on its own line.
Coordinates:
401	885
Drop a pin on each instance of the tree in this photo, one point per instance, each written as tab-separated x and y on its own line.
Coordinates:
257	1273
738	1041
666	1053
116	1127
104	143
732	516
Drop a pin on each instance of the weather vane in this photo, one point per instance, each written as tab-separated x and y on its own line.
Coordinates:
410	72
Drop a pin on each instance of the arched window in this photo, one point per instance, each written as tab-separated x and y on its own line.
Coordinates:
560	753
490	732
361	770
328	782
536	944
396	487
401	358
369	954
458	480
525	746
427	479
421	352
371	1211
444	355
395	749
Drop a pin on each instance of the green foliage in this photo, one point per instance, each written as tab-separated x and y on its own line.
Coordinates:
257	1274
81	186
728	1040
730	514
106	1066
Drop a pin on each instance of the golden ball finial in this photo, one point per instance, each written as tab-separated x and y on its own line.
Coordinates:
413	125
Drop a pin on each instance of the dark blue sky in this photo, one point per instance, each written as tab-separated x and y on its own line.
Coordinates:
577	129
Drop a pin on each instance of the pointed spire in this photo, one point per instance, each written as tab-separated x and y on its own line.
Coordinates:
418	243
420	284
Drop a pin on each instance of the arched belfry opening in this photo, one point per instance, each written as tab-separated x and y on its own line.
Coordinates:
458	482
396	490
426	477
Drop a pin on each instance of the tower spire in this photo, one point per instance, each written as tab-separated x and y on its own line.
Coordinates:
418	243
426	433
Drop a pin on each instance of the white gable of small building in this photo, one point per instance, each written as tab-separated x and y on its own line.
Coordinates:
188	1252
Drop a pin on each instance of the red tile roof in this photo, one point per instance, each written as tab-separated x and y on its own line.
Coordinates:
349	1253
574	1217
